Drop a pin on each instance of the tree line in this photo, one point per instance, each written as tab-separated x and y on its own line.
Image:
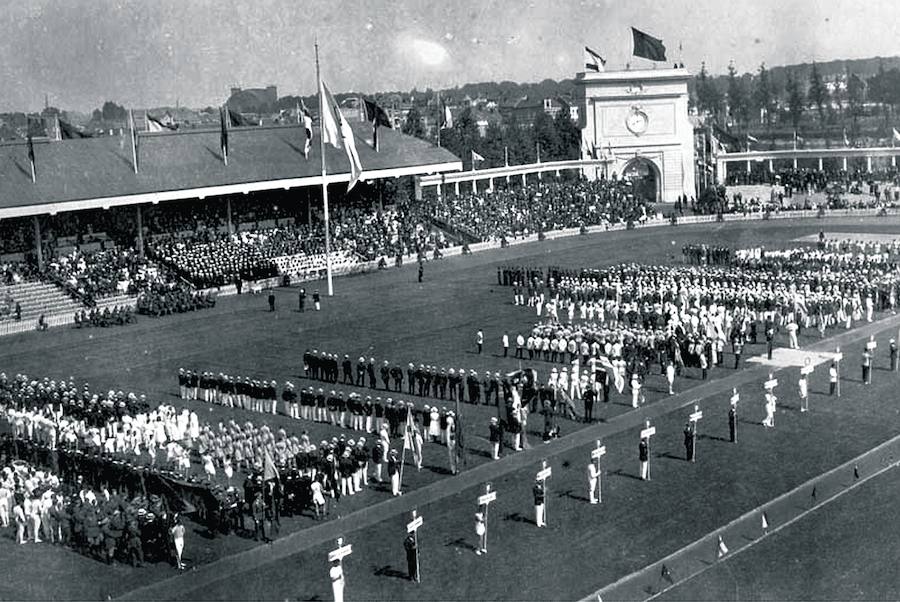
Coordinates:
556	138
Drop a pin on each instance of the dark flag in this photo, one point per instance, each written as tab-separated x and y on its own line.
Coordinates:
376	116
223	137
31	153
237	120
67	131
667	575
648	47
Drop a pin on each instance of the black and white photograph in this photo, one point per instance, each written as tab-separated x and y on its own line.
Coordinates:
582	300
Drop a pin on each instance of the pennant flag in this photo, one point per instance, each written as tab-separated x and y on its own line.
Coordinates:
846	140
223	135
304	117
476	158
856	471
593	61
667	575
334	119
68	131
896	137
446	117
752	138
765	522
376	116
722	548
648	47
270	472
31	153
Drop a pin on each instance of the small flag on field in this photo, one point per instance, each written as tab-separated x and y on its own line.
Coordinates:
813	496
855	471
648	47
765	522
722	548
593	61
667	575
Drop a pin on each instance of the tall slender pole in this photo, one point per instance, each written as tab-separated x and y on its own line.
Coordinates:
324	183
140	231
134	157
440	113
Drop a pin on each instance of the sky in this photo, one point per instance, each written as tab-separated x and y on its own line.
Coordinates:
147	53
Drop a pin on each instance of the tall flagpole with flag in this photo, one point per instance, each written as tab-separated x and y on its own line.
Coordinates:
324	173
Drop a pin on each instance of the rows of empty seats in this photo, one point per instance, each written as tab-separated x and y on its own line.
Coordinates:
38	298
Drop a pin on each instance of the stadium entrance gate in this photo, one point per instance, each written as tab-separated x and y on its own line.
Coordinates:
638	120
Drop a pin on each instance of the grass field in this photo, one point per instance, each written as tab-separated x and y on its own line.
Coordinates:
388	315
845	551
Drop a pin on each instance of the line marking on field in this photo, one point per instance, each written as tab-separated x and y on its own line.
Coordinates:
760	521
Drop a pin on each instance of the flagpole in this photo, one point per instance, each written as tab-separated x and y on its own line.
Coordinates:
440	116
134	157
324	184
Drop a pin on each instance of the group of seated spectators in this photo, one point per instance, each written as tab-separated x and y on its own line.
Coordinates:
90	275
538	208
173	298
117	316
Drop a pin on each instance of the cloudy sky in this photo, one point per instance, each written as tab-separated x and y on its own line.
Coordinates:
153	52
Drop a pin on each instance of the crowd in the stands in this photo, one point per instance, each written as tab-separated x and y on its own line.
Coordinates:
516	212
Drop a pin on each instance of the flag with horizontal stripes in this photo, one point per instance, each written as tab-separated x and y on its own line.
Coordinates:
593	61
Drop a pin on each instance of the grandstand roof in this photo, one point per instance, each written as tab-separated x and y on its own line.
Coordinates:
98	173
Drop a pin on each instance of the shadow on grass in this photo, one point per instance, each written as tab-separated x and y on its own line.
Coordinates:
517	517
621	473
461	542
389	571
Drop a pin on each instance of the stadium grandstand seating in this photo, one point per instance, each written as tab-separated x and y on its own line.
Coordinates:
40	298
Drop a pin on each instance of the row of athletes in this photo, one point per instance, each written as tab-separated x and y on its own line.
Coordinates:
422	380
230	391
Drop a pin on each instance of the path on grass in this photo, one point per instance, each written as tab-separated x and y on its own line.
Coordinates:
300	541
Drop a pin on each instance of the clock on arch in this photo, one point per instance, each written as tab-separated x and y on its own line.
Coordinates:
637	121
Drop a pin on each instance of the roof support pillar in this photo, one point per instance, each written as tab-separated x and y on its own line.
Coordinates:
38	245
140	231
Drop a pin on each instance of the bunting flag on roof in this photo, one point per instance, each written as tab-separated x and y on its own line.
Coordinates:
156	125
67	131
648	47
446	117
376	116
593	61
305	118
